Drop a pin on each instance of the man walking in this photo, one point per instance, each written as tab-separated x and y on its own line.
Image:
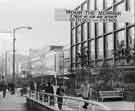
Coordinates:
85	92
4	86
49	89
60	93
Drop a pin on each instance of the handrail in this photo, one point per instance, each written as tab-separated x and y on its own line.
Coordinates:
39	95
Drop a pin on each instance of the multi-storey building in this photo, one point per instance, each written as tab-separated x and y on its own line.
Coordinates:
95	43
103	42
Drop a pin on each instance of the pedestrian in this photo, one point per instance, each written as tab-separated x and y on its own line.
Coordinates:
50	91
33	87
60	93
44	87
85	93
4	86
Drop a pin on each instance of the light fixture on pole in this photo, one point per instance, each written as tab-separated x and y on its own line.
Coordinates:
14	39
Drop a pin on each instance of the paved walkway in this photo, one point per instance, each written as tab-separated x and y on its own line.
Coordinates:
12	103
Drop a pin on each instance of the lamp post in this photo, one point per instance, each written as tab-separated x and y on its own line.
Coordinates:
14	39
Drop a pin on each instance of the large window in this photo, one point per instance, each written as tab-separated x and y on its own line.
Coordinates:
78	52
73	36
132	9
100	48
92	48
99	29
79	34
132	37
78	21
73	54
92	30
91	4
109	45
109	27
120	8
99	4
121	40
85	6
85	31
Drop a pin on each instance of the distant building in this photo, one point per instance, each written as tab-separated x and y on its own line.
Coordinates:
42	60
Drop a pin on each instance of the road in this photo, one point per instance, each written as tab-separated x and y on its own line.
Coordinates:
12	103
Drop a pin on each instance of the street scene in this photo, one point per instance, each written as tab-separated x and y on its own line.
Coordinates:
65	55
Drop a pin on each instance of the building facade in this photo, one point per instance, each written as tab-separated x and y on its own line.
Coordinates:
92	44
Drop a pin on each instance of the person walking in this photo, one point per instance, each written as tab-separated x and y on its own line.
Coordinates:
49	90
4	86
85	93
60	93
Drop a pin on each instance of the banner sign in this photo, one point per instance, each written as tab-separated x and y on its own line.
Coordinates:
96	16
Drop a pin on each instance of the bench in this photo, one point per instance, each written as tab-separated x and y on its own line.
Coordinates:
110	94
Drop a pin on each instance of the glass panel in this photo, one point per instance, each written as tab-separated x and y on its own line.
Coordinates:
109	45
108	3
73	54
73	24
85	47
92	30
100	48
85	31
109	27
100	29
92	4
79	52
79	34
73	36
85	6
120	8
131	38
78	22
99	4
132	9
92	49
121	40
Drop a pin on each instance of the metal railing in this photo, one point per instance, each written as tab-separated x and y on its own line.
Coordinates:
68	104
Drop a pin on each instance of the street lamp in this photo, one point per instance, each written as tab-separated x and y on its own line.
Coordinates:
14	38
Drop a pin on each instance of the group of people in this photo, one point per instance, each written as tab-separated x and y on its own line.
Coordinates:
48	89
4	86
85	91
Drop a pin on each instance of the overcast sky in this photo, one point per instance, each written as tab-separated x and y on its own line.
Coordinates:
40	15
